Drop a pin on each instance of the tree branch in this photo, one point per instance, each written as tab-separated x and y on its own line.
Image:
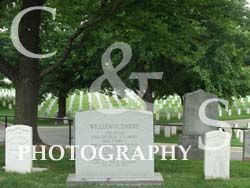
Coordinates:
7	69
68	48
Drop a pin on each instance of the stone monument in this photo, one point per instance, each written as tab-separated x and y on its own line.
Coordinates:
114	128
193	127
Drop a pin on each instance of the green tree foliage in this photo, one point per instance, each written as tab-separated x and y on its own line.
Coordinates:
197	44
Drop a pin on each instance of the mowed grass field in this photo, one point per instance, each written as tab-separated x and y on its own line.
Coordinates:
175	139
176	174
170	104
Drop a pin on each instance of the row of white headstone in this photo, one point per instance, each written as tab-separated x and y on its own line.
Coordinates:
7	93
8	98
169	115
172	101
240	133
130	97
229	111
168	130
10	104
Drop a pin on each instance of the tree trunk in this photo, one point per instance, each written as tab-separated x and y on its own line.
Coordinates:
61	106
148	98
27	79
27	89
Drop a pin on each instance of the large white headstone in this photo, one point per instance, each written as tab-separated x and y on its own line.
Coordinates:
217	155
17	136
130	128
114	127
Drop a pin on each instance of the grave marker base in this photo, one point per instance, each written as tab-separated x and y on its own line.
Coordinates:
195	153
154	182
34	169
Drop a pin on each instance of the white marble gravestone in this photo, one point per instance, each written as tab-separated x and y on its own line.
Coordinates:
241	137
16	136
117	128
173	130
167	131
238	111
217	155
157	116
168	116
157	129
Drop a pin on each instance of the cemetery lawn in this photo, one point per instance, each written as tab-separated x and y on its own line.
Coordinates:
175	140
176	174
41	122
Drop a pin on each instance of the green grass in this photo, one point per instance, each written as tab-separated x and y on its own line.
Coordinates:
162	139
176	174
175	139
235	142
189	174
48	123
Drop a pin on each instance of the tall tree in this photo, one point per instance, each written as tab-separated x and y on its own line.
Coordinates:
192	42
27	73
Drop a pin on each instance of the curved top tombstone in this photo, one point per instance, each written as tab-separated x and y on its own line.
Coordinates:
17	136
193	126
114	128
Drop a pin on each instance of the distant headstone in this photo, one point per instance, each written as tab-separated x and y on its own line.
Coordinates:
173	130
168	116
10	106
16	136
114	127
157	116
238	111
246	146
179	115
160	106
193	127
236	125
248	110
65	121
220	113
241	136
217	155
167	131
157	129
238	134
